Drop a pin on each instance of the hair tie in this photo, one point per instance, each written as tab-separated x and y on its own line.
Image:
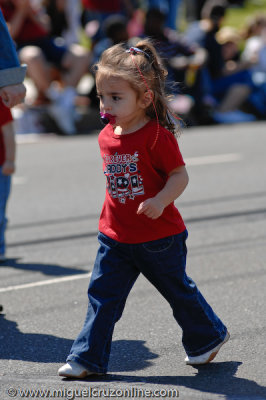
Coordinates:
136	50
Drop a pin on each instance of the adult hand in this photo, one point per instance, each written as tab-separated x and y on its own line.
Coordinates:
13	94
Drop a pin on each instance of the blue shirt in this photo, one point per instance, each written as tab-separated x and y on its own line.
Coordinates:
11	72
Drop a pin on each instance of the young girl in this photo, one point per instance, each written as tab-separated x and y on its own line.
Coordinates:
7	168
140	229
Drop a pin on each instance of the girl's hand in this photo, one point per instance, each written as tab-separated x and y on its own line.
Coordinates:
8	168
174	187
152	208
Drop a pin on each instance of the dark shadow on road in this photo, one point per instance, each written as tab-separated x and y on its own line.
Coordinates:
130	355
46	269
216	378
34	347
127	355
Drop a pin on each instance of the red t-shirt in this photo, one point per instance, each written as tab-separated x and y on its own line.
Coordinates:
30	30
136	171
5	117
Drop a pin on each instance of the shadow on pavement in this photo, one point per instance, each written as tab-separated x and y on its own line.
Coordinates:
46	269
216	378
130	355
127	355
34	347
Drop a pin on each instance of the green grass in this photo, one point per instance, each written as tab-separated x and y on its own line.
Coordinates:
237	17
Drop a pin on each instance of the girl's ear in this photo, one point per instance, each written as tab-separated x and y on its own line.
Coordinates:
147	98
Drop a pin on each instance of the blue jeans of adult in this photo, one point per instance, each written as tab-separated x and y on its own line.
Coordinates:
163	263
221	85
5	184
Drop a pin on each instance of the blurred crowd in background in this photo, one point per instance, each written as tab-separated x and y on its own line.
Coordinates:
216	73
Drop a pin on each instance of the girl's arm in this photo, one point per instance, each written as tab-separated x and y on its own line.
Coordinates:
8	167
174	187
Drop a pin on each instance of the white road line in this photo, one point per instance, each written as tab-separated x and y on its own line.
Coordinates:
32	138
213	159
47	282
193	161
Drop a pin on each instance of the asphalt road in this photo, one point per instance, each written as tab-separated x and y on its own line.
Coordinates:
53	216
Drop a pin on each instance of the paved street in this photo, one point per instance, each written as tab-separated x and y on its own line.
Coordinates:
53	217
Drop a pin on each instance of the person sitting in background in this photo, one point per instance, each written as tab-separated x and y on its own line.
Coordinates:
95	13
171	10
65	19
183	61
255	50
255	46
229	89
30	30
193	9
229	38
115	31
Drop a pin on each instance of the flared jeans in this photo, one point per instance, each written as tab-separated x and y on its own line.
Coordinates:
163	263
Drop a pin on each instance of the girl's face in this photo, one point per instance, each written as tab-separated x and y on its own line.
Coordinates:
121	101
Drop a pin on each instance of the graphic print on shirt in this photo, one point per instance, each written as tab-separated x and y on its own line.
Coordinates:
123	178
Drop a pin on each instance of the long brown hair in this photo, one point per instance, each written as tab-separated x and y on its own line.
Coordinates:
144	71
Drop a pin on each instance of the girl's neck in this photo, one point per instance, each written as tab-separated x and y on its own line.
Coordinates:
131	128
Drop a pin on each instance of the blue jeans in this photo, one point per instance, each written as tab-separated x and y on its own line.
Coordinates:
221	85
5	183
9	56
116	269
